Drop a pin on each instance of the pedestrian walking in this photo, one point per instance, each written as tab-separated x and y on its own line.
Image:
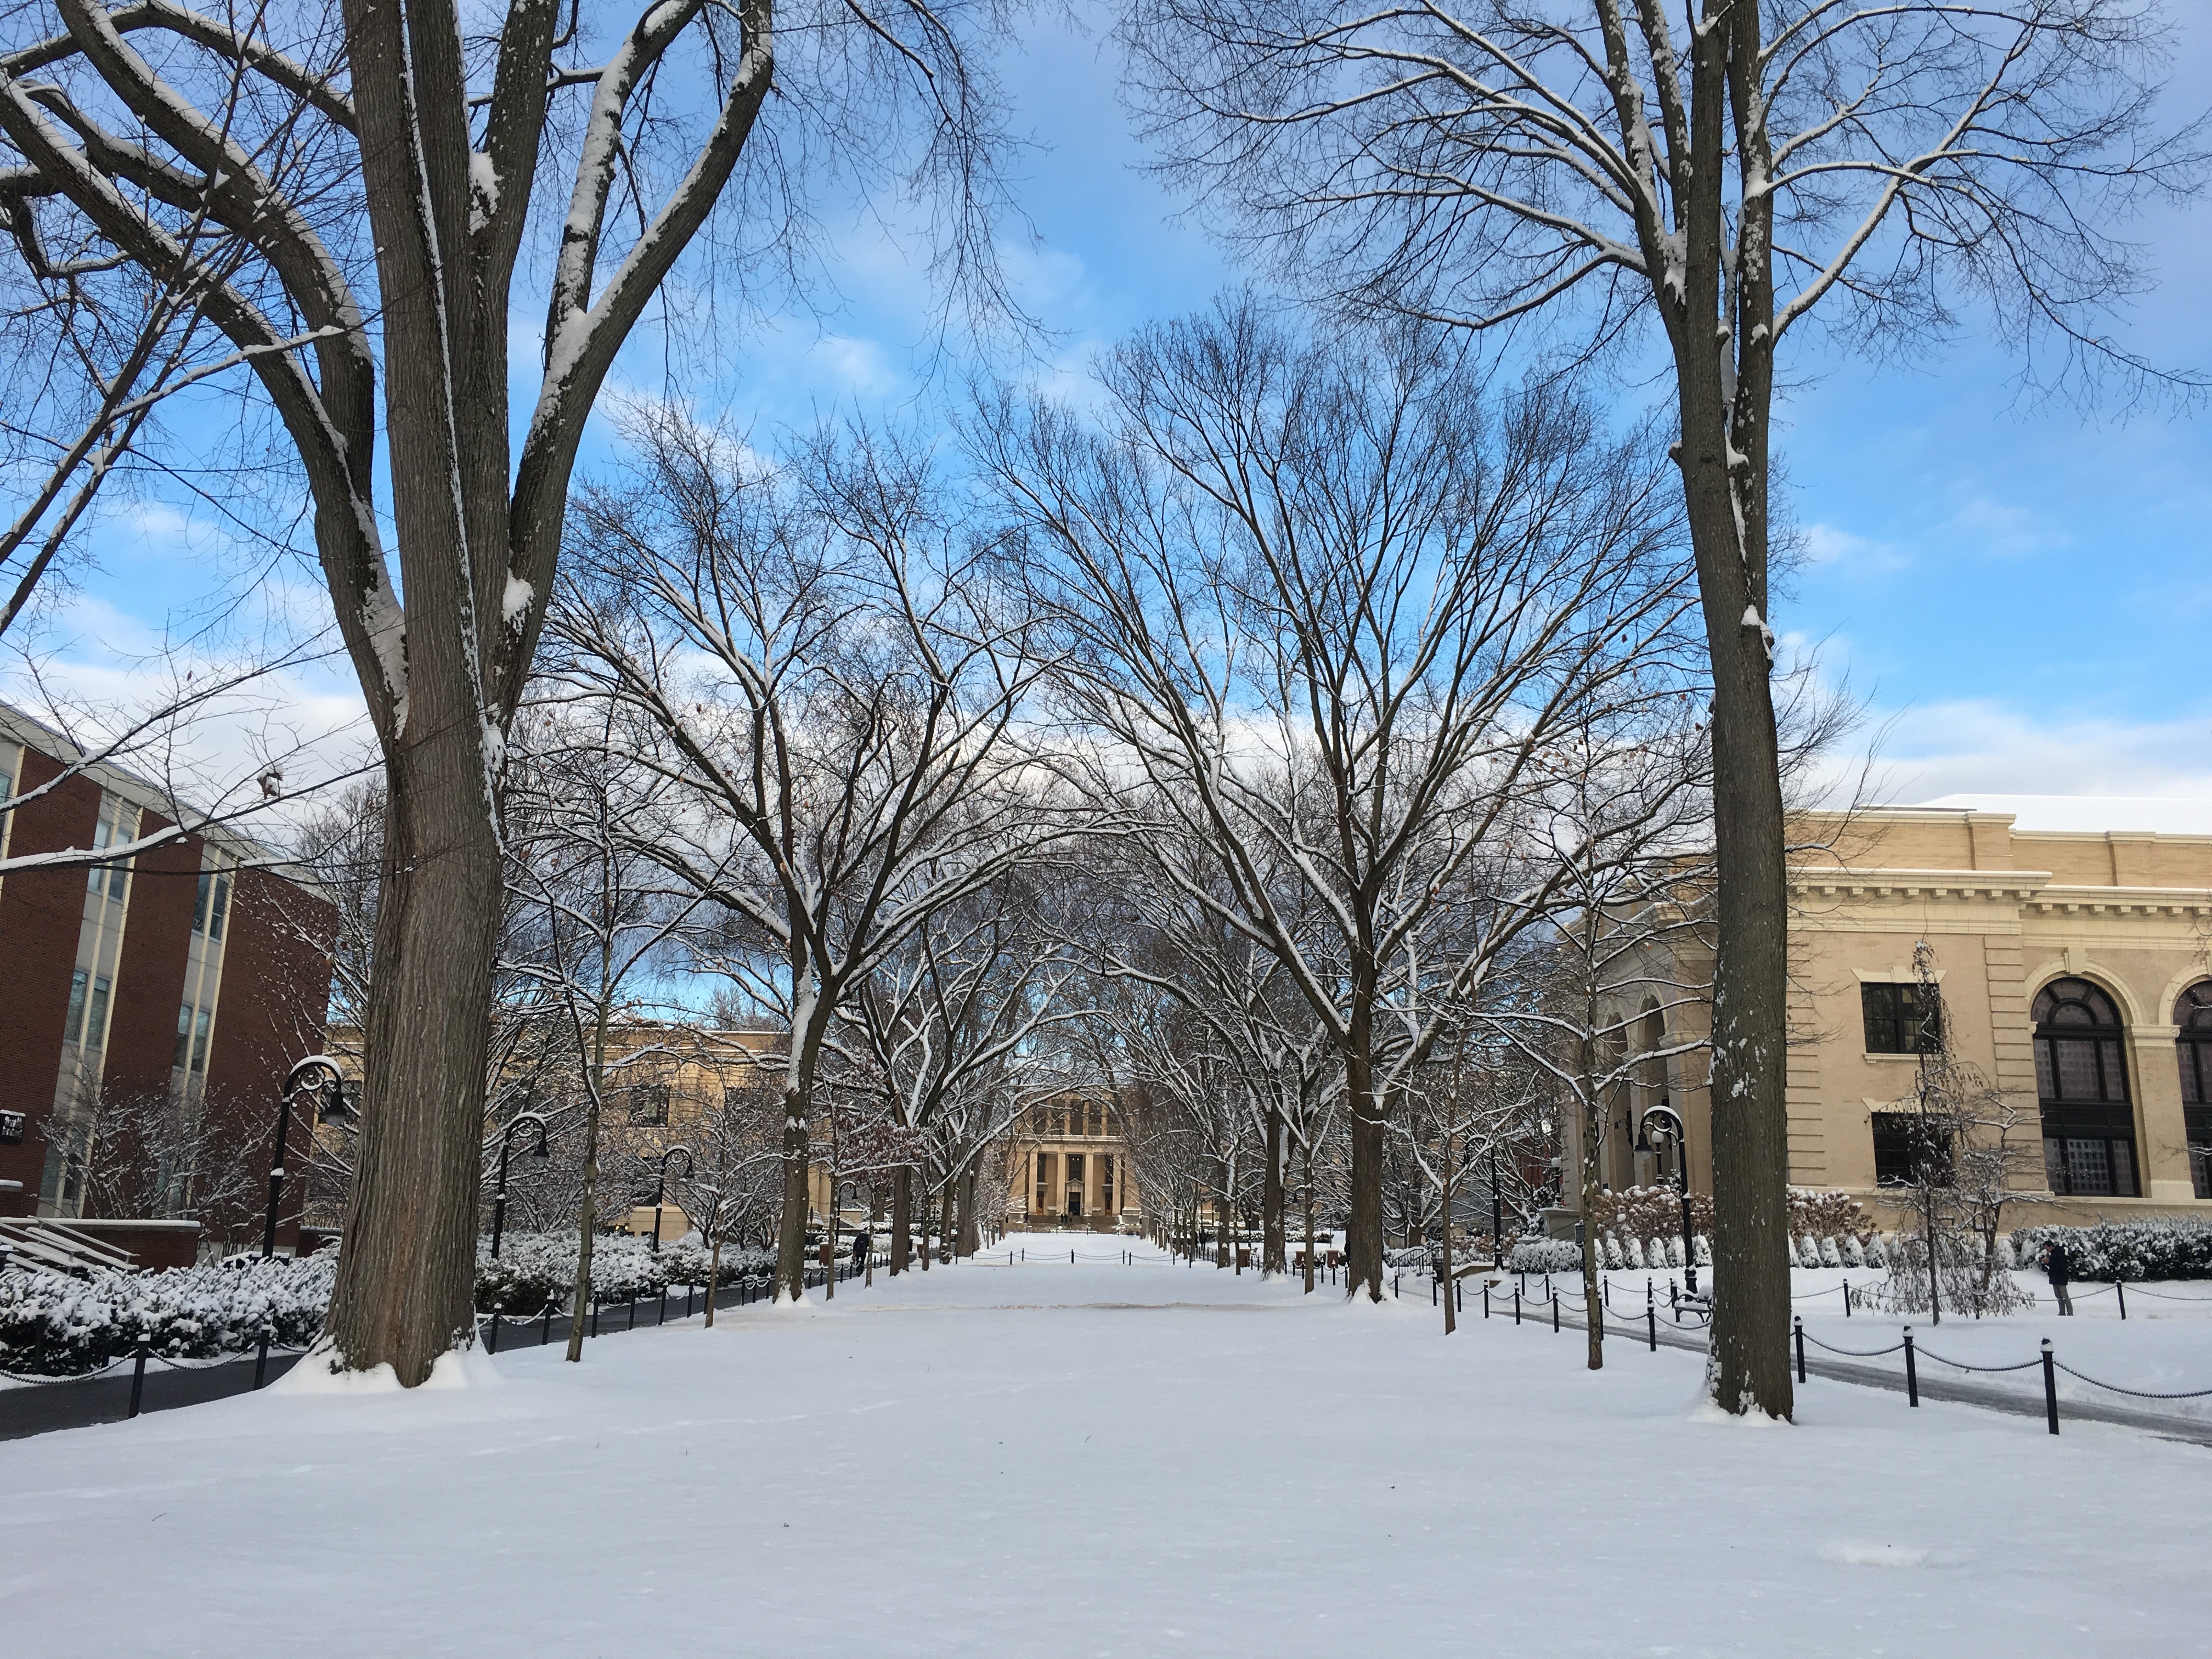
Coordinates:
2061	1272
863	1242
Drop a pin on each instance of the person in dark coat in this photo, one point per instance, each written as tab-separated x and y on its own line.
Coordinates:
863	1242
2062	1274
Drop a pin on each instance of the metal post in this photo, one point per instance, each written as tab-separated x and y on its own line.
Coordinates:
492	1339
546	1335
632	1313
276	1170
1651	1320
1797	1329
1486	1298
1497	1214
2121	1291
1516	1308
261	1359
595	1315
663	1320
1912	1371
2050	1387
139	1380
1555	1313
1847	1298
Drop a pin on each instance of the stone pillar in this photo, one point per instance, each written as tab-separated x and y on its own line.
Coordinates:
2162	1134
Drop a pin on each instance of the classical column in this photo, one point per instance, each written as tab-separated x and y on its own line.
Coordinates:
2162	1134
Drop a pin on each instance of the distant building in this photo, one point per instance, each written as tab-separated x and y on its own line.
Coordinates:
148	1009
2069	940
1068	1165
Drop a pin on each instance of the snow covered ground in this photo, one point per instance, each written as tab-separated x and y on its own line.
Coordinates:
1099	1460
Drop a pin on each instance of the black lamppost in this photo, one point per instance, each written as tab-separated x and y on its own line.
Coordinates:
660	1189
1497	1214
317	1072
499	1193
1669	1128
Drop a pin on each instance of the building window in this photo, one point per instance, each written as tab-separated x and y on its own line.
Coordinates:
2082	1086
2193	1014
649	1104
1105	1184
1901	1019
73	1022
86	1023
1907	1150
1044	1183
184	1038
200	1023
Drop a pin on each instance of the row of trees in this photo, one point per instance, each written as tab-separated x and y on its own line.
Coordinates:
329	207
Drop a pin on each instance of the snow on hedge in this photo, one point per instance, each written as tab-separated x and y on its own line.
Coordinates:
54	1325
538	1270
2160	1248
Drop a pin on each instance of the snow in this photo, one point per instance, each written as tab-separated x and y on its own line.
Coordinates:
471	1368
2092	813
1116	1461
515	602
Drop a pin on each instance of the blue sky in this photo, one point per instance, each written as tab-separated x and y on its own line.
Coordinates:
2022	595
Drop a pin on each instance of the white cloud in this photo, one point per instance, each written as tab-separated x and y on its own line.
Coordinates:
1983	746
1830	545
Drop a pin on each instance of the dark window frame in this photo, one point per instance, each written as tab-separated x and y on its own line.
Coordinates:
1903	1144
1891	1020
2078	1129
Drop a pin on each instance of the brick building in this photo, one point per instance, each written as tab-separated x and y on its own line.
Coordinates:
148	1009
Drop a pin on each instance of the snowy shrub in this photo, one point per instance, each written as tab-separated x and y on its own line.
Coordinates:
536	1271
2163	1248
1960	1280
53	1325
1809	1251
1546	1255
1831	1255
1849	1253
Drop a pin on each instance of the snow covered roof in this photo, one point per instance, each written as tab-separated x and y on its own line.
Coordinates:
2165	816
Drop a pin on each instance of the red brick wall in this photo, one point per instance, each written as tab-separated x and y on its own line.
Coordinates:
150	978
41	913
276	998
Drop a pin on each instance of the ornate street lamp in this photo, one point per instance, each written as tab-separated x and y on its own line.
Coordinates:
660	1189
499	1193
1663	1124
318	1074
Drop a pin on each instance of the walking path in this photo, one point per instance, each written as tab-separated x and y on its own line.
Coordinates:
986	1458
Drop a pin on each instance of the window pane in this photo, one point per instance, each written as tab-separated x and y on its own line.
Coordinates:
116	879
2123	1168
2047	1077
95	1022
2054	1165
2115	1071
73	1025
2088	1168
200	901
2077	1069
2192	1073
184	1036
222	906
200	1041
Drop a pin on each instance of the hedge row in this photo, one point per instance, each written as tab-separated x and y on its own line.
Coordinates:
2156	1248
53	1325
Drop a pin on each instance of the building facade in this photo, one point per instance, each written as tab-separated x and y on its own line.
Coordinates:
1069	1166
2072	970
148	1009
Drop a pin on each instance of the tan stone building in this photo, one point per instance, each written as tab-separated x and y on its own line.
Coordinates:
1068	1165
2071	960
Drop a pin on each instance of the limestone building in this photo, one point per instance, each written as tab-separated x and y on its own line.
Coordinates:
2069	940
1068	1165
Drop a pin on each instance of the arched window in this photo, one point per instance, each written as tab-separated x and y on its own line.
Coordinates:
2193	1014
2081	1084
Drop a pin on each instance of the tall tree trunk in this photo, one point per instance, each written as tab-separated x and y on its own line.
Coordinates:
1309	1216
1363	1231
1273	1257
587	1213
944	1232
1594	1113
791	1229
1452	1322
901	1217
970	1238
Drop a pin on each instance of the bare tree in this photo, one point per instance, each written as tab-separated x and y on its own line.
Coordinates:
1733	174
446	141
1327	606
818	665
603	916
